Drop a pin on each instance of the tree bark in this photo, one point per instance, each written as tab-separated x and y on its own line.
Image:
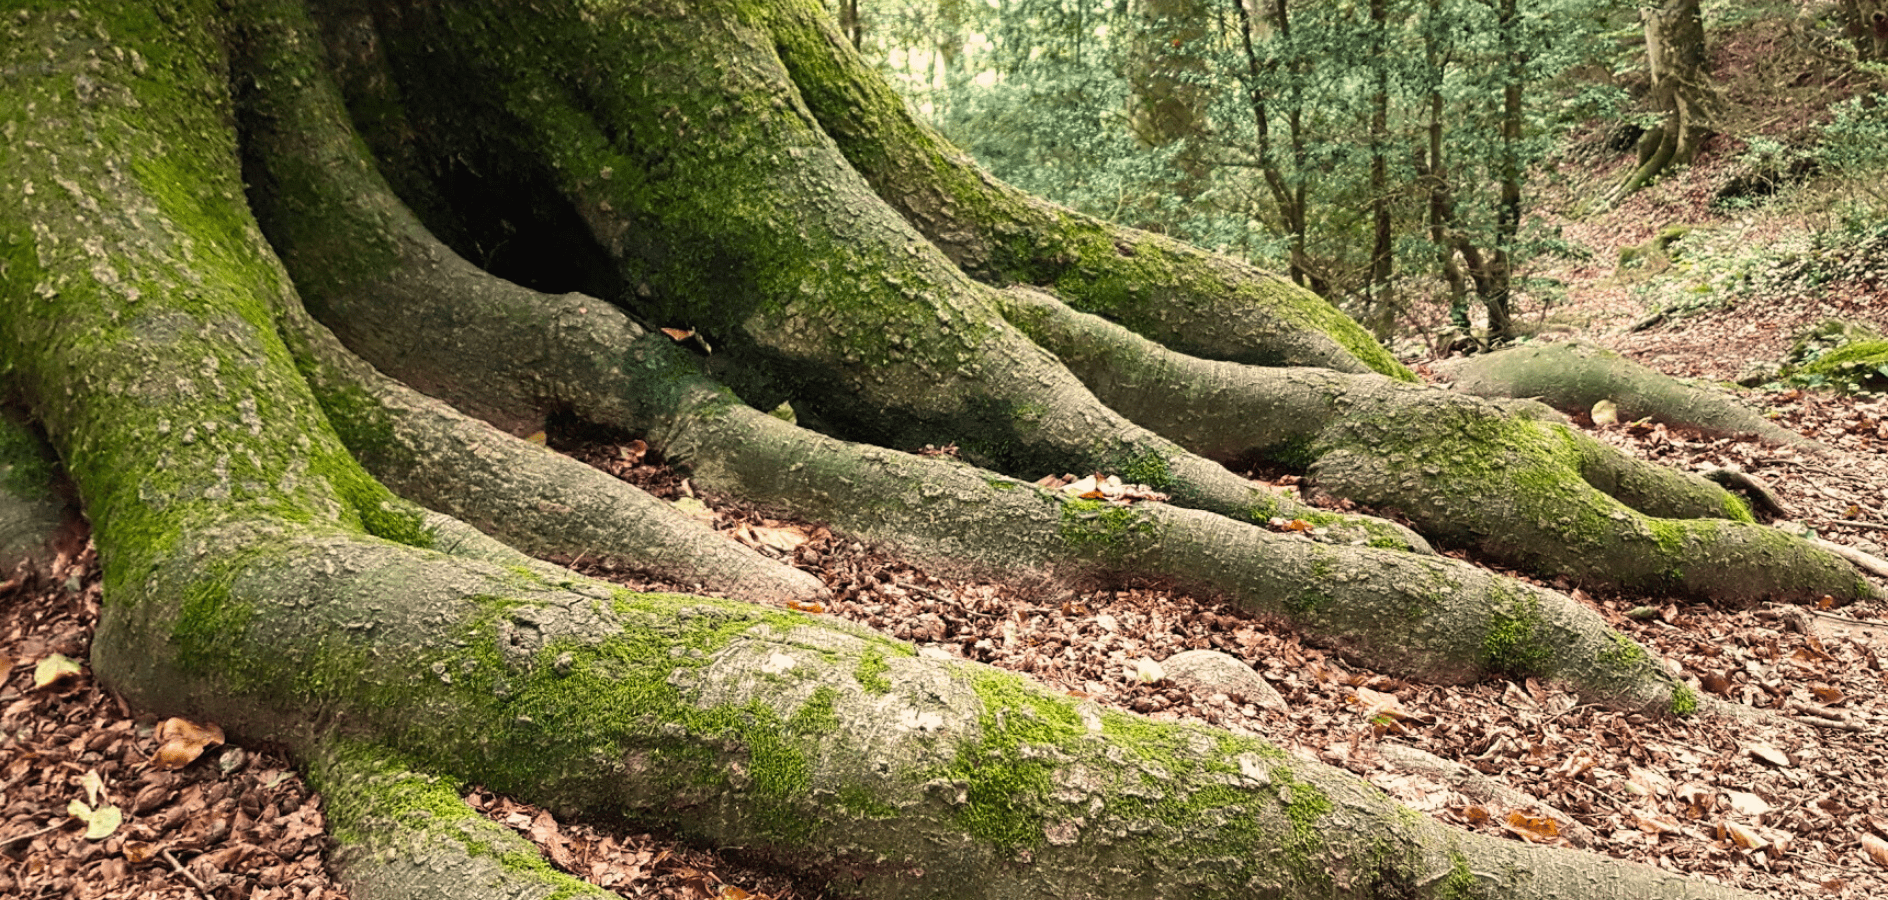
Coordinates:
258	575
1681	89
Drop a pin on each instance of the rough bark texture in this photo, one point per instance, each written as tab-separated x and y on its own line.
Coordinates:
257	575
1505	479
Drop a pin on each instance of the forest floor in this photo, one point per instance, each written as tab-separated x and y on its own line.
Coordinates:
1790	808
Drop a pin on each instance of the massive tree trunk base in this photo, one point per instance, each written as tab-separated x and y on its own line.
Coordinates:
256	575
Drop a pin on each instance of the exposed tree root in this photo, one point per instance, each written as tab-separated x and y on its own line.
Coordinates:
405	835
330	213
257	576
37	518
1499	478
1571	377
523	494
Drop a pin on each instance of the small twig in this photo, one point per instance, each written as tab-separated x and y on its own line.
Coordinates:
1877	526
30	835
194	880
1820	722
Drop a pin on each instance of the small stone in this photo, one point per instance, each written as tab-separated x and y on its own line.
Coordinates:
1208	672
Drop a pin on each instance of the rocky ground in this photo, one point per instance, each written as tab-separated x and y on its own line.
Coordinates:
1790	808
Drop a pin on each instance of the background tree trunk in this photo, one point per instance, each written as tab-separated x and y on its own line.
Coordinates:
1678	63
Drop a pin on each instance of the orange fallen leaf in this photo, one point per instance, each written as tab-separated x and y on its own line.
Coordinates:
814	608
1742	835
1539	829
679	334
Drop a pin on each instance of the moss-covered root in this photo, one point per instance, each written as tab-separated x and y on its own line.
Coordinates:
1468	471
406	835
538	501
364	263
1572	377
38	518
820	745
1196	302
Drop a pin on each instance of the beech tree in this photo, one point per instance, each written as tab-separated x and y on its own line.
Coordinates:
283	281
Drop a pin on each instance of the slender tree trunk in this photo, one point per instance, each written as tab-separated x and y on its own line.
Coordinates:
1381	294
850	24
1435	170
1496	286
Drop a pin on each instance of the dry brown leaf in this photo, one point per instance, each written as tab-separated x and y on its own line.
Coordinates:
1650	783
92	785
799	606
544	832
1655	822
679	334
1769	754
138	852
1747	803
785	539
1829	696
537	437
181	741
1876	849
1742	835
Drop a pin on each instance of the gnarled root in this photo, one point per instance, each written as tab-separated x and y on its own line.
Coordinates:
1502	478
1572	377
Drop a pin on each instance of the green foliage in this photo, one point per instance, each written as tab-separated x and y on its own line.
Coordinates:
1044	93
1839	355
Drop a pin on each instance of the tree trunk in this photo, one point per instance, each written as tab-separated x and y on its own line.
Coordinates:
1681	89
1866	22
184	176
1384	309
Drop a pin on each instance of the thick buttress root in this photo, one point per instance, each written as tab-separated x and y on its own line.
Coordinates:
1505	479
530	498
420	312
1431	619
